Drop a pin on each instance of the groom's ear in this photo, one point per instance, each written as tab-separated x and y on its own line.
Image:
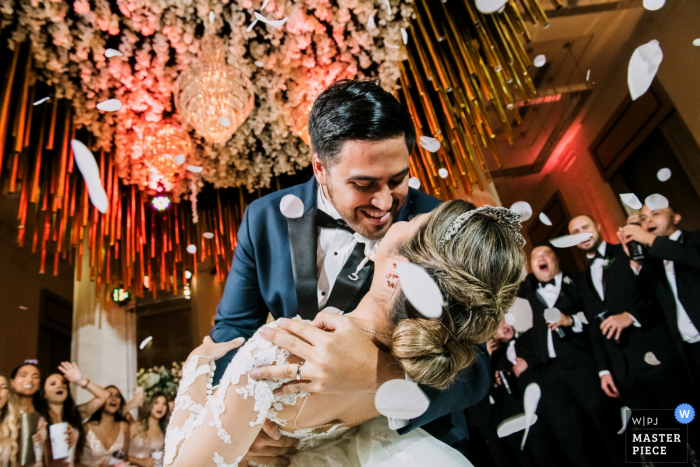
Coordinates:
319	170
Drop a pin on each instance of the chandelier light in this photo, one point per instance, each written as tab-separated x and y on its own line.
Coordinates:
164	145
214	98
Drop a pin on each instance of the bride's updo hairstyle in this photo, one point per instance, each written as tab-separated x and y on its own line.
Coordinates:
478	271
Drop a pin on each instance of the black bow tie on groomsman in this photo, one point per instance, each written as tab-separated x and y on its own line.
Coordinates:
591	259
544	284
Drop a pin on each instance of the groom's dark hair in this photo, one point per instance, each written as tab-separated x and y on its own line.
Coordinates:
356	110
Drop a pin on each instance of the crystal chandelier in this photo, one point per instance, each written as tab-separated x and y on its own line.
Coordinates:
214	98
165	146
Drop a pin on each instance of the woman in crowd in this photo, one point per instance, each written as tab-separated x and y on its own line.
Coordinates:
57	406
106	433
148	433
8	426
24	381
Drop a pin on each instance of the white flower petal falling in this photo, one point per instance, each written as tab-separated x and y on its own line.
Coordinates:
523	208
292	207
273	23
653	5
420	290
631	200
567	241
643	66
414	183
91	174
110	105
544	219
401	399
664	174
429	143
656	202
490	6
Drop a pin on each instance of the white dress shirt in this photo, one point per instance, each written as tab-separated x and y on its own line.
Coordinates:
550	294
334	248
689	333
597	268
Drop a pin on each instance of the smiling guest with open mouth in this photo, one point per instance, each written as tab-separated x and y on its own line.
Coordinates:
58	406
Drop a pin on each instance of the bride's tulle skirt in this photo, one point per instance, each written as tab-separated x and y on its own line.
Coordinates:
374	444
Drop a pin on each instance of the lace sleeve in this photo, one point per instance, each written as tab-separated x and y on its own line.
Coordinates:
223	430
189	403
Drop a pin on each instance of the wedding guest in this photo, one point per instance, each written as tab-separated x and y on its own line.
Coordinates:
504	400
25	380
8	425
148	432
58	406
564	366
672	270
107	434
628	333
362	138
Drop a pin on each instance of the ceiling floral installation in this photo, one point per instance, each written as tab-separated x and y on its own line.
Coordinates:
157	41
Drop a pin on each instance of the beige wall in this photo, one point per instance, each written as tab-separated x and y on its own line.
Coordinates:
20	286
206	294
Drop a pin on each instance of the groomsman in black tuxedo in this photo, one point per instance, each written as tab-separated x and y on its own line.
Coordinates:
633	348
672	270
564	366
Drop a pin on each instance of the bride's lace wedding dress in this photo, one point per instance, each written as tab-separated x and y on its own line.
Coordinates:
218	429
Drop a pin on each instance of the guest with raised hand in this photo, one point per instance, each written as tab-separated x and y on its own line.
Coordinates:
72	374
135	402
58	406
148	432
107	434
8	425
25	381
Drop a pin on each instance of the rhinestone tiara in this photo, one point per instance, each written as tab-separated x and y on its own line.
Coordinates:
510	219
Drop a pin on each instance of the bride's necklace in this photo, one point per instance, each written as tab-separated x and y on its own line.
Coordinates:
377	333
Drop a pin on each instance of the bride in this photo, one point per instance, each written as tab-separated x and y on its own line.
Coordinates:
475	257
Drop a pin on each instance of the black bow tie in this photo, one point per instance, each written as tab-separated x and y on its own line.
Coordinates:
591	259
544	284
327	222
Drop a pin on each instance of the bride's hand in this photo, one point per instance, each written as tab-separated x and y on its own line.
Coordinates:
209	348
344	361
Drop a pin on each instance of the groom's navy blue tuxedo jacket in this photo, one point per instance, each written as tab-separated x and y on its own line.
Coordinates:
274	271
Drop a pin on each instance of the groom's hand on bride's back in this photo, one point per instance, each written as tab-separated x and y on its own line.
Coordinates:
339	357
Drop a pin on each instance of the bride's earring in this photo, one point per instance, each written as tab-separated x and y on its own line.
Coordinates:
392	280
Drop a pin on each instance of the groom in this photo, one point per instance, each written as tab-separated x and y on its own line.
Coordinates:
362	138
